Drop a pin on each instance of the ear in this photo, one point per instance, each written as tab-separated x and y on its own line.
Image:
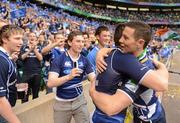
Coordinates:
141	42
69	43
5	40
97	37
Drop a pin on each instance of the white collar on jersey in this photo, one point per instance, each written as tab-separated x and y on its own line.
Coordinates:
4	51
73	59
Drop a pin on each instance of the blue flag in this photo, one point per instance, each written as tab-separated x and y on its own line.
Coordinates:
18	13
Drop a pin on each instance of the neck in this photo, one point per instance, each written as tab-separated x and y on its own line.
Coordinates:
73	54
6	50
138	52
100	46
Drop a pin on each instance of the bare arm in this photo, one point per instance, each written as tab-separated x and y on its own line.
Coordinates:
110	104
38	54
23	56
6	111
157	79
92	77
54	80
48	48
100	63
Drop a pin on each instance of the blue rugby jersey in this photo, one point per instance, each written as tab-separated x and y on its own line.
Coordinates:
121	67
62	65
31	64
92	56
146	104
8	76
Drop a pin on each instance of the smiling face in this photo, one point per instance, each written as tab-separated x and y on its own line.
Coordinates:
60	38
14	43
127	41
76	44
104	38
11	38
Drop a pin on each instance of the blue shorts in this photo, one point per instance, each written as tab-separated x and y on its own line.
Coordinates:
99	117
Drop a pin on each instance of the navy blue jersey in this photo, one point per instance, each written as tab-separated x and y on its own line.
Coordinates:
62	65
145	104
31	64
8	77
92	56
55	52
121	67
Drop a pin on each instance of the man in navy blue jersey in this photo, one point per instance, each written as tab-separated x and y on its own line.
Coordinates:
32	58
124	77
10	42
103	37
66	73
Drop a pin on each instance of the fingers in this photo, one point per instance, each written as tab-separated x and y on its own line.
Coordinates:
76	72
158	64
101	66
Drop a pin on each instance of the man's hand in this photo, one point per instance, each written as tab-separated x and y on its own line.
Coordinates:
75	72
161	68
100	63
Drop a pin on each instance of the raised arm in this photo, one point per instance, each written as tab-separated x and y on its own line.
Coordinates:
100	63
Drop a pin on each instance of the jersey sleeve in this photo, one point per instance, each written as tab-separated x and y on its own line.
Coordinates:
3	77
92	60
130	89
129	66
55	66
89	67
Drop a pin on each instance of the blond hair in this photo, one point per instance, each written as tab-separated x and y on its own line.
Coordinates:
8	30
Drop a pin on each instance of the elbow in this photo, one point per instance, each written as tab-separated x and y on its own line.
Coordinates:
163	87
110	111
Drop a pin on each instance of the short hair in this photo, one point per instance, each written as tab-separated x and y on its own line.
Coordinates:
72	35
7	30
86	33
100	29
142	31
57	34
118	34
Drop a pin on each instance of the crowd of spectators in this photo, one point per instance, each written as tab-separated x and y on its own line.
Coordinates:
150	17
158	1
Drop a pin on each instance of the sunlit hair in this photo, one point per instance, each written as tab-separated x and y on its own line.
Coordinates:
142	31
100	29
9	30
71	36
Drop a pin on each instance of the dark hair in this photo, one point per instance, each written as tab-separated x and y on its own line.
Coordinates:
118	34
7	30
142	31
100	29
57	34
86	33
71	36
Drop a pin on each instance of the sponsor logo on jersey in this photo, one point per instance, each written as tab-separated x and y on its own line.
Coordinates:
80	64
68	71
67	64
